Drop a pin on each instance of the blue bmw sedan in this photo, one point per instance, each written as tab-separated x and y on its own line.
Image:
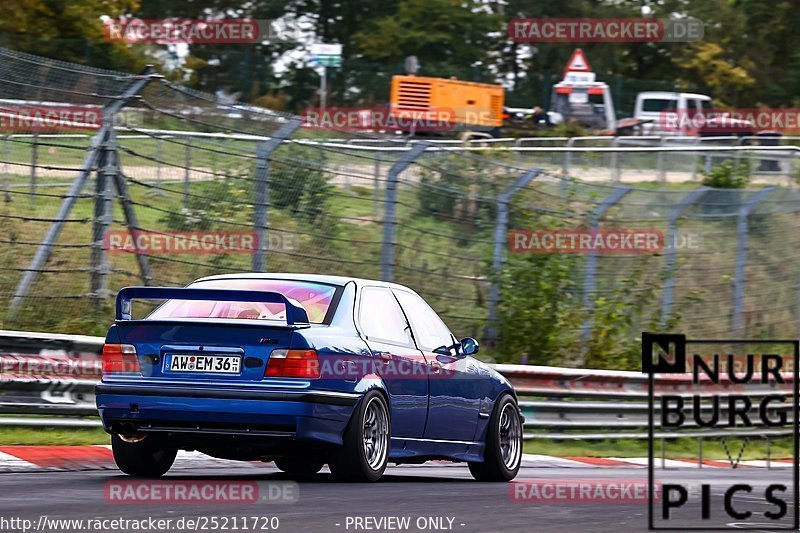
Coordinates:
303	370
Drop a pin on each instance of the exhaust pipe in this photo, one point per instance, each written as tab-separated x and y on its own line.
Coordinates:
126	431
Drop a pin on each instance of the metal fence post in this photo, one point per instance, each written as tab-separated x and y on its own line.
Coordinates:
567	164
661	173
131	220
589	280
45	249
187	164
615	171
261	193
500	242
390	210
103	215
671	255
742	227
376	192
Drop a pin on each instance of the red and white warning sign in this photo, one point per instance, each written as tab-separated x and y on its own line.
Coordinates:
577	63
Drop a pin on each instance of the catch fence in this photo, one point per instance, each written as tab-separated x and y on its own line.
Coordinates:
437	216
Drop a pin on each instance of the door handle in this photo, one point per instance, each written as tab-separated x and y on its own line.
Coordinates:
385	356
436	367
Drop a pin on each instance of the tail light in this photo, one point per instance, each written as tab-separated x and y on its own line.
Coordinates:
293	364
120	358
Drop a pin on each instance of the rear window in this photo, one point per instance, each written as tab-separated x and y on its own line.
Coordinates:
315	298
657	105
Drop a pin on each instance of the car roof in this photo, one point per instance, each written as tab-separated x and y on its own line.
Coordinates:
319	278
669	95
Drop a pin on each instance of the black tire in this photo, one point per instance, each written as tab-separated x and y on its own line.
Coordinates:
297	466
151	457
500	462
350	462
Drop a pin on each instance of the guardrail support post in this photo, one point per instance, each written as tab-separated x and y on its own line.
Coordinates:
45	249
500	243
263	153
671	255
390	211
769	454
589	281
699	452
742	227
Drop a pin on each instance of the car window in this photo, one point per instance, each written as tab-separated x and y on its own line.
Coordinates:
657	105
429	330
315	298
381	318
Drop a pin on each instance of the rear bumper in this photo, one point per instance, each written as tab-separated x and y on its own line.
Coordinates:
314	416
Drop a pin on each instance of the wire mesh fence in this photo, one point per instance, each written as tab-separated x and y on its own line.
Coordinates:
171	186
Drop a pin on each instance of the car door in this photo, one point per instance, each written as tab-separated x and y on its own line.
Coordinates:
456	386
396	359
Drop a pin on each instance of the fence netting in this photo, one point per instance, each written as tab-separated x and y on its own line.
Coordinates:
175	161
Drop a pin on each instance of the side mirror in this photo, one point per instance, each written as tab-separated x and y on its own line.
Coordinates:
469	346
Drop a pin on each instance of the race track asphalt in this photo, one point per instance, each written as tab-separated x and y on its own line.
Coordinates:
433	497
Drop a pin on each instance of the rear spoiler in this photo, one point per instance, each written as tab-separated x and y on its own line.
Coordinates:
294	313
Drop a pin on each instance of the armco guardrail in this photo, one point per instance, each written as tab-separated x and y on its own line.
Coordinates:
53	376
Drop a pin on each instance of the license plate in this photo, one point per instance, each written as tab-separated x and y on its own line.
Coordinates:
213	364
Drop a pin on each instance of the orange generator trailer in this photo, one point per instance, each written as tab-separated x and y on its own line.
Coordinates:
464	105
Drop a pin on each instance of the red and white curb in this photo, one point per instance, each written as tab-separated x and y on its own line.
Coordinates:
73	458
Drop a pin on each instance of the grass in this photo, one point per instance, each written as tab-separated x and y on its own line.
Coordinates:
673	449
52	436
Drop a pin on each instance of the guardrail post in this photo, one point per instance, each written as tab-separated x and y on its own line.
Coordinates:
45	249
390	210
742	227
671	255
589	281
500	243
263	152
699	452
34	164
103	209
